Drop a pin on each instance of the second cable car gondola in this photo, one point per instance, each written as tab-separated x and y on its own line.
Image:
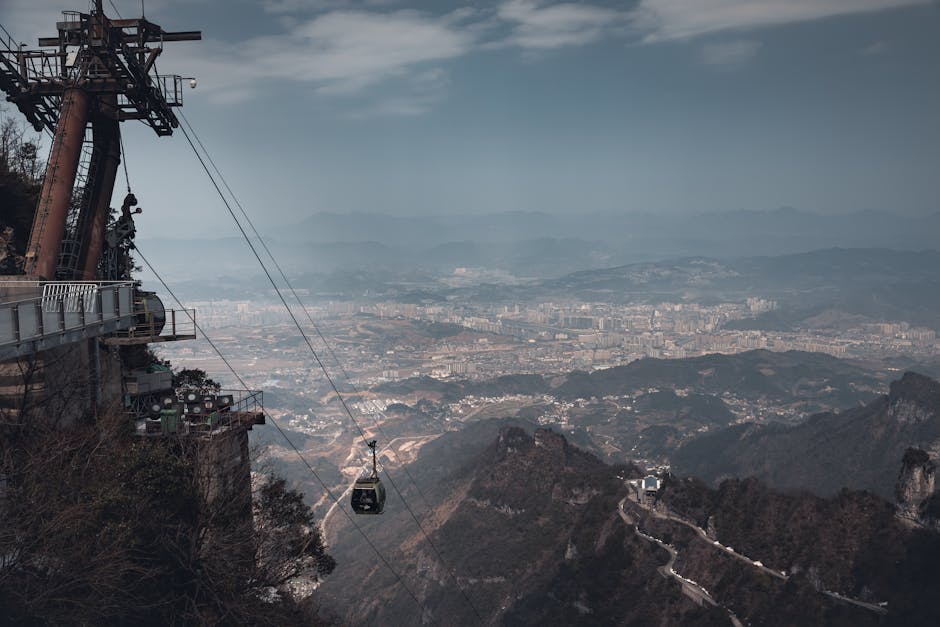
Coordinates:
368	495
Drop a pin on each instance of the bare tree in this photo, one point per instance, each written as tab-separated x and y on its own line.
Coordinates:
19	149
289	547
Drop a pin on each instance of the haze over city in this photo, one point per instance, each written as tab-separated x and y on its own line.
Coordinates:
424	108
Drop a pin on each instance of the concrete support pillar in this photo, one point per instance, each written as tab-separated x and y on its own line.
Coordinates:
45	239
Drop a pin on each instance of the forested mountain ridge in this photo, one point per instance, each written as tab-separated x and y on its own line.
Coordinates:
530	526
857	448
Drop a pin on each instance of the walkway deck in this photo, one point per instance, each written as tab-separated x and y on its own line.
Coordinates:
39	315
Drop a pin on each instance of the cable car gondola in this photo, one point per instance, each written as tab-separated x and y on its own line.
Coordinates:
368	495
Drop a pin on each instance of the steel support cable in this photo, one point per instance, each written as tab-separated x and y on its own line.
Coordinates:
277	265
329	349
280	295
287	282
9	36
287	439
300	329
316	357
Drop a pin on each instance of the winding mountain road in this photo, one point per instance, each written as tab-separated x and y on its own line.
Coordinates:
871	607
697	593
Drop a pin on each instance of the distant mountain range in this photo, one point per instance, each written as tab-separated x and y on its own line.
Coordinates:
534	244
790	377
779	231
788	386
819	269
876	284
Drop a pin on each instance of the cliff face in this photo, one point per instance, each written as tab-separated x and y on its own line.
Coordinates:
852	543
915	486
857	448
530	527
914	399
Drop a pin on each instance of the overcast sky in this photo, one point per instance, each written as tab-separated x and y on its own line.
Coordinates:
434	107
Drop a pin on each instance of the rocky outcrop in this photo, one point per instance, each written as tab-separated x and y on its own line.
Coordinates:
915	486
530	529
913	399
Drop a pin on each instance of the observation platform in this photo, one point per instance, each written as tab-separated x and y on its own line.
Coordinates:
39	315
150	331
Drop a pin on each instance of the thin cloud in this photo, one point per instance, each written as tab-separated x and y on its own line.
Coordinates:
729	54
664	20
313	6
414	96
537	25
338	53
879	47
367	48
342	53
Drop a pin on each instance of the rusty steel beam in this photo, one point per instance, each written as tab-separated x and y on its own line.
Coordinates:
183	35
99	85
158	36
45	239
106	132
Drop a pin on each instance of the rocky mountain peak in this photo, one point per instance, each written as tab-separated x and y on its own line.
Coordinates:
914	398
548	439
512	439
552	446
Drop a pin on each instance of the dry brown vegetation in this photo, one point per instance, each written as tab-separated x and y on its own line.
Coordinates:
98	526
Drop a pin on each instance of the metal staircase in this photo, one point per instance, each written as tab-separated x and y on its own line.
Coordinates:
82	196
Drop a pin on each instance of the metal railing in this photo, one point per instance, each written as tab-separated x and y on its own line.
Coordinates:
149	328
53	313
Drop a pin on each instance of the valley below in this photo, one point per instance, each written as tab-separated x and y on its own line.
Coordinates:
509	499
509	435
